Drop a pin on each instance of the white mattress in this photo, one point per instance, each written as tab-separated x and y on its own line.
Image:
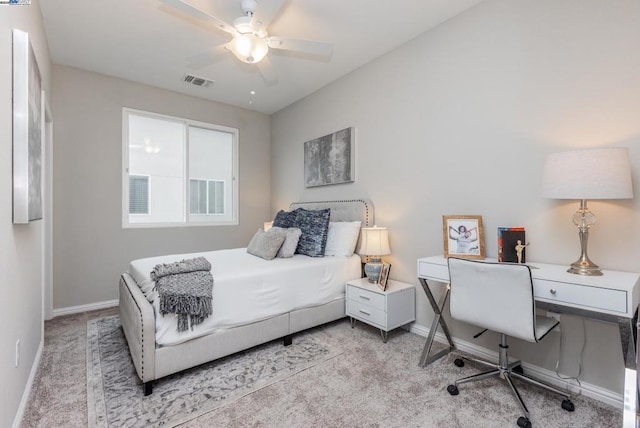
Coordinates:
248	289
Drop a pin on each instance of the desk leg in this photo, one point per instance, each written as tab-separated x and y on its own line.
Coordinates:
630	349
425	359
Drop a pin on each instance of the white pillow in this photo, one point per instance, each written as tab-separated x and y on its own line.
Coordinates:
342	238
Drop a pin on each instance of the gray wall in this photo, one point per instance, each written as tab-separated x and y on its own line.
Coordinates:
460	120
91	249
21	253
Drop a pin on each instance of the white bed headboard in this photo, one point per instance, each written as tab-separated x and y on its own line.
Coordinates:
343	210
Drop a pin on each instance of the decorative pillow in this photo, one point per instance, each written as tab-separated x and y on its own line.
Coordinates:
290	242
285	219
342	238
266	244
314	225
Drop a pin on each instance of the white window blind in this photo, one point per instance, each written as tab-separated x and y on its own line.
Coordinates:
207	196
138	194
216	196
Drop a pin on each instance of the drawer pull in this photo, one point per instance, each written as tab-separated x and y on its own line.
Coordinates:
365	297
365	312
553	291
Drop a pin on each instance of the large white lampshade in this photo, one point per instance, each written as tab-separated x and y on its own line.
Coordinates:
587	174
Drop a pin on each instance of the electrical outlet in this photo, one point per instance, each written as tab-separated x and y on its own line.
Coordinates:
17	353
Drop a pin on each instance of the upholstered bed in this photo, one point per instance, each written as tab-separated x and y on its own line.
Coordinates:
157	352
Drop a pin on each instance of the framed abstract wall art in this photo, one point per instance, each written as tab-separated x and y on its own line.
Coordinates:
330	159
27	131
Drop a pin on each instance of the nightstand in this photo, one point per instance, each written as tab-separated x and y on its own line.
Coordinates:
385	310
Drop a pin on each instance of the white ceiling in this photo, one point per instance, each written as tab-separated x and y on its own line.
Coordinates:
147	41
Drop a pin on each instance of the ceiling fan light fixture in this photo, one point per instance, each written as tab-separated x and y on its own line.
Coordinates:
249	48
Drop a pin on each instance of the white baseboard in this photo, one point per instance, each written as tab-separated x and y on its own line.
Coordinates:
545	375
17	421
85	308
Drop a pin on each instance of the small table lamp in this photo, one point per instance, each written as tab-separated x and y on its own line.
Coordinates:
374	242
587	174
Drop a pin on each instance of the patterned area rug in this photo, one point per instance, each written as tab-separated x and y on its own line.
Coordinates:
114	392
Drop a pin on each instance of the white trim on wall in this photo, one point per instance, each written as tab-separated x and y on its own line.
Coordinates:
85	308
17	421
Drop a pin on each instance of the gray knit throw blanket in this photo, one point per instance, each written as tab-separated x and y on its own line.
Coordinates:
185	289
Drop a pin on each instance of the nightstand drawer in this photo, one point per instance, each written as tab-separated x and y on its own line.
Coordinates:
367	314
366	297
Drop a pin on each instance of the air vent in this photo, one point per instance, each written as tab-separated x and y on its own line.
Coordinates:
197	80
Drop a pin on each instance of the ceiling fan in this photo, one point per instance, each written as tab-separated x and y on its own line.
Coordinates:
250	41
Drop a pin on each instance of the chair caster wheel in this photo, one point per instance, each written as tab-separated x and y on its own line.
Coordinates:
568	405
524	422
453	390
459	362
518	369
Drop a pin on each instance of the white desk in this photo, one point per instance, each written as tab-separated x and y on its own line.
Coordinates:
613	297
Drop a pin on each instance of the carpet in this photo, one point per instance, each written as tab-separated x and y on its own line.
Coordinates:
114	392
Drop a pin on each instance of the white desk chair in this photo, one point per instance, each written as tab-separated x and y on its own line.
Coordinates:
499	297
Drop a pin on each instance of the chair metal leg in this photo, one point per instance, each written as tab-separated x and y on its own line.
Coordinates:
507	377
478	376
514	364
479	361
540	384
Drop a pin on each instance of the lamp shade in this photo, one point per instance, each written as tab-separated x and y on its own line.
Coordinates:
588	174
374	241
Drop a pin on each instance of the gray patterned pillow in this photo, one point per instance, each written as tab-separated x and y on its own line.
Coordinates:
266	244
290	243
314	225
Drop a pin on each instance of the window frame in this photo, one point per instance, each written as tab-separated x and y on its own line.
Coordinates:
212	220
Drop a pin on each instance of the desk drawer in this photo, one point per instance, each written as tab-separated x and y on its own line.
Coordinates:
372	316
581	296
433	271
366	297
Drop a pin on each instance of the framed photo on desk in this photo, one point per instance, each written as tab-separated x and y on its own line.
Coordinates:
463	236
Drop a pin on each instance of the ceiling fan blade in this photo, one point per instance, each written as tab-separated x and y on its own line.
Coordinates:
197	13
303	46
265	12
207	57
266	70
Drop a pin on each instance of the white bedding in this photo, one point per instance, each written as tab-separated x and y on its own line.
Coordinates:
248	289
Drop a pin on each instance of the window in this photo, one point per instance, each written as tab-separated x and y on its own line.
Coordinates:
178	172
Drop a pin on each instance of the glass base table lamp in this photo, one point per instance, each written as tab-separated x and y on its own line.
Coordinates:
583	175
374	242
